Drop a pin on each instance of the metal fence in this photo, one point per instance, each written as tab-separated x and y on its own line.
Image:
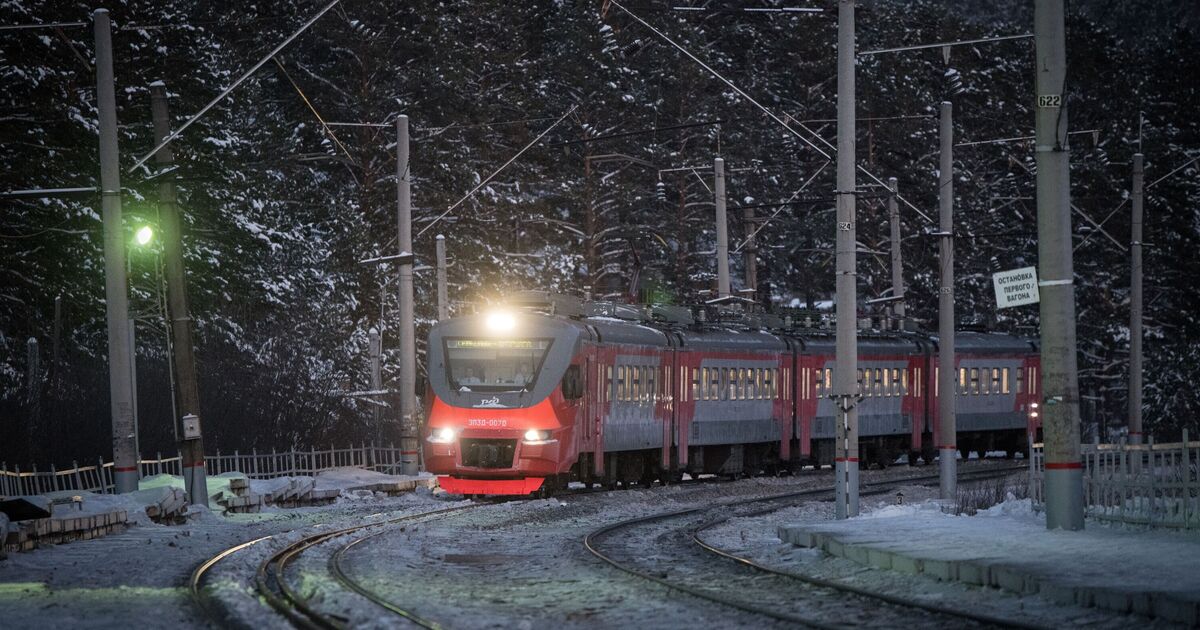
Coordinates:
98	477
1156	485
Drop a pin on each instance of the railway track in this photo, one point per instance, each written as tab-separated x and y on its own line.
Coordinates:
271	583
774	593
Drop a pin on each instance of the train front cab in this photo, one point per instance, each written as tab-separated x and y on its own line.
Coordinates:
507	389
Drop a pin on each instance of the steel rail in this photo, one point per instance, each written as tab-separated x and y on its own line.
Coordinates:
291	601
847	588
287	602
590	542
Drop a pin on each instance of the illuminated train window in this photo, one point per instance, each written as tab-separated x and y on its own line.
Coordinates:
1004	381
714	383
975	380
996	381
696	384
1020	380
494	364
769	382
879	383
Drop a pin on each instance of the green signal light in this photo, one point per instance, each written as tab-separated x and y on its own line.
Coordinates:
144	235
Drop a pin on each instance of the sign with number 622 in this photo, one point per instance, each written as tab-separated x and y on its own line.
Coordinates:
1049	100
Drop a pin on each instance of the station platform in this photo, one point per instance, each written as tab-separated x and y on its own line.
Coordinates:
1152	573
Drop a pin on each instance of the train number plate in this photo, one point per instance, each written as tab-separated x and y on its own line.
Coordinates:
487	422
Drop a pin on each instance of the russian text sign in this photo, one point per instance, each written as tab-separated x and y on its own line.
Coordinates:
1016	287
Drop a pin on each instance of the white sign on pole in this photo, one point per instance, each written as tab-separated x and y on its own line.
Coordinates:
1016	287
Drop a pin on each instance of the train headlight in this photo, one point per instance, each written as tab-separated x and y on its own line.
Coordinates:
1033	414
1033	405
444	435
501	321
533	435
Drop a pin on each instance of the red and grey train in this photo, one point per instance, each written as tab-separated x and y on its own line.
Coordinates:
546	391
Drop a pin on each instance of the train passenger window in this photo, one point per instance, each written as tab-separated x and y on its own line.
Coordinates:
731	384
619	393
760	383
1020	380
879	391
768	382
607	383
995	380
1004	381
975	381
887	382
821	383
696	384
896	388
714	383
983	381
962	380
828	380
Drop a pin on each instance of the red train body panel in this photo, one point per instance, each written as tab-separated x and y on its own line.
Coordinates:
520	401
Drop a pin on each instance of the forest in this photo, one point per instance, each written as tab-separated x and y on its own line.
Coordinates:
280	203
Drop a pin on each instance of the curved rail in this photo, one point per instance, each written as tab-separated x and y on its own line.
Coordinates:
287	601
590	543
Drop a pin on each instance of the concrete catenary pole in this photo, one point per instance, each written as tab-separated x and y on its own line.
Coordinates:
116	296
722	228
845	379
897	258
947	438
408	343
183	349
1135	306
443	303
750	253
375	348
1060	382
133	394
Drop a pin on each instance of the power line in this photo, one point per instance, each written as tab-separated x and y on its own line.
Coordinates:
965	42
626	134
489	178
226	91
719	76
26	27
317	114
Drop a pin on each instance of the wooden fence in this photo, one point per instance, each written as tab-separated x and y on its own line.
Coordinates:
1155	485
98	477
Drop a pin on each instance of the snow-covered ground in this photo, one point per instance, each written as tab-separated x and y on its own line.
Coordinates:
508	564
1156	560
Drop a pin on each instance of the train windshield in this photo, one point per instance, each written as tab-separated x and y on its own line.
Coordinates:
490	365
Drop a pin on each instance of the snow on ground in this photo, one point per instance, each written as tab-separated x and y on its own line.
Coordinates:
1012	528
344	478
518	563
137	578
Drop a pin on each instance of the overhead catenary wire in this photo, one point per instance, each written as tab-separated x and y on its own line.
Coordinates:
722	78
1126	200
780	208
965	42
246	75
862	169
489	178
317	114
